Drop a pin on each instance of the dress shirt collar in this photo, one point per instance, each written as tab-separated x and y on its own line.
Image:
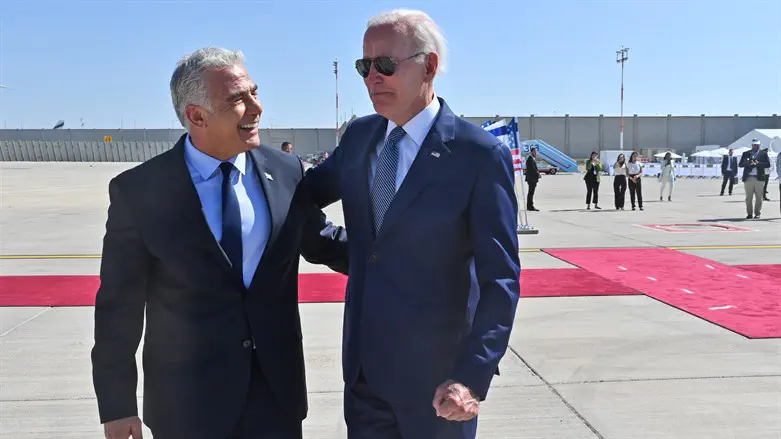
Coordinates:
418	127
207	165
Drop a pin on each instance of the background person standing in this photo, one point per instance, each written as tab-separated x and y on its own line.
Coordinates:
635	170
754	162
667	177
778	177
729	169
619	181
593	172
532	177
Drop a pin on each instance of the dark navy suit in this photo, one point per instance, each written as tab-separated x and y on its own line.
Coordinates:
223	354
433	296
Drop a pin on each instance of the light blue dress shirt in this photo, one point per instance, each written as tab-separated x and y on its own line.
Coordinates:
255	216
417	129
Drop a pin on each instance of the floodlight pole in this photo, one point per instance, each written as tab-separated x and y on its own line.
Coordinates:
336	77
621	57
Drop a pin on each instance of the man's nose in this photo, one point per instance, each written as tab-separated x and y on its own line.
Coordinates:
374	75
254	105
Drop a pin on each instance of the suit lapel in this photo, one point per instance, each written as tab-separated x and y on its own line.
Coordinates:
432	155
185	197
277	210
363	184
271	190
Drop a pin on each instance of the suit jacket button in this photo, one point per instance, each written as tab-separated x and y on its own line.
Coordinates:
246	343
373	259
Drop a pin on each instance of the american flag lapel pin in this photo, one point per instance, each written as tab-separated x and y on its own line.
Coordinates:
268	176
435	154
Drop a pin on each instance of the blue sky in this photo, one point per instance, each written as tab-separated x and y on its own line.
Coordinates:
109	62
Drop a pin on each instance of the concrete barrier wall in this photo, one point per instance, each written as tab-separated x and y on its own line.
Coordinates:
575	136
53	144
578	136
74	151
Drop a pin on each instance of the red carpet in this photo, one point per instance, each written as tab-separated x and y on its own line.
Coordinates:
768	269
746	302
80	290
48	290
568	282
314	287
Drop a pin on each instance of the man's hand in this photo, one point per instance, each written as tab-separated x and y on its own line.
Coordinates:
455	402
123	428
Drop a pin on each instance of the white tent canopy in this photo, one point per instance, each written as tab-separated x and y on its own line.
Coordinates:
718	152
768	138
662	154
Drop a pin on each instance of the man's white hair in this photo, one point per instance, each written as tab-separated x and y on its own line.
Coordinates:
426	36
188	86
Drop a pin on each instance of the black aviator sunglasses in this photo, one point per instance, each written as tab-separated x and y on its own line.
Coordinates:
384	65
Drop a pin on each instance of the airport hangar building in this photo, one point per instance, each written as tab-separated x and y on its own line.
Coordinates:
575	136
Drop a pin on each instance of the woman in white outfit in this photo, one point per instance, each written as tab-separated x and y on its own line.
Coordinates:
778	177
667	177
634	171
619	181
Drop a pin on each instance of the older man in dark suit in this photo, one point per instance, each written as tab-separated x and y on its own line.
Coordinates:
430	206
205	240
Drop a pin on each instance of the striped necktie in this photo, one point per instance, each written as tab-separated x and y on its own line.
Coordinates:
384	186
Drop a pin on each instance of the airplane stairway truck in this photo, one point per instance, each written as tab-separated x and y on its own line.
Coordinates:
551	155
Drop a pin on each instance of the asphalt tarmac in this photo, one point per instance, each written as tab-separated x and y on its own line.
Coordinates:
620	367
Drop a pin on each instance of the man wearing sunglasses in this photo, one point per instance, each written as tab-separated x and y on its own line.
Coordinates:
429	203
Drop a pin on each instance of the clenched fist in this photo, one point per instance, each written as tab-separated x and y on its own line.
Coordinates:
123	428
455	402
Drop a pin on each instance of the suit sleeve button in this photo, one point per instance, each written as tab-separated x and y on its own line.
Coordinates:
246	343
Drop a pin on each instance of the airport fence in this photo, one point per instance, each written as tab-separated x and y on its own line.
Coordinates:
75	151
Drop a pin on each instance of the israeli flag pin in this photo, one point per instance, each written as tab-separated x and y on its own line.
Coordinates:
435	154
268	176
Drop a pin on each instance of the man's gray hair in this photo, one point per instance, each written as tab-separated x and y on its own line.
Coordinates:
188	86
426	36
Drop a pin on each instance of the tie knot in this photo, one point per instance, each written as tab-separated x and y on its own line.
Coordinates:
396	134
226	168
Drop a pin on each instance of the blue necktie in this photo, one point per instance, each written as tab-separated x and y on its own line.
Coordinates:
231	220
384	186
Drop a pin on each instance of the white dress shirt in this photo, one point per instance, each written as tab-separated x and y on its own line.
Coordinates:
417	129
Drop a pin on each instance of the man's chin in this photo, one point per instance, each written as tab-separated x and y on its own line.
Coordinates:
382	109
250	138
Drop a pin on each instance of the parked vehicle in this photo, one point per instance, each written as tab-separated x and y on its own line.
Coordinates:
545	168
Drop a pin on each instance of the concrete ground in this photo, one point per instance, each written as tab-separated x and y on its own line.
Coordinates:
581	367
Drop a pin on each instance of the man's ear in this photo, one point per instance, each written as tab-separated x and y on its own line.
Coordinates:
196	116
432	63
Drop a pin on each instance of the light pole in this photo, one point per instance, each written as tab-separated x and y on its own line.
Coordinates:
621	57
336	78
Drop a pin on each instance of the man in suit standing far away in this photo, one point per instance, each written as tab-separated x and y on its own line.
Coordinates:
729	169
532	178
206	239
430	207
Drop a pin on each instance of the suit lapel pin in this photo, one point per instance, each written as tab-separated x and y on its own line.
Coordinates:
268	176
435	154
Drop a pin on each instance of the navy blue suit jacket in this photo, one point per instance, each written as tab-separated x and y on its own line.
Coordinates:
433	297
